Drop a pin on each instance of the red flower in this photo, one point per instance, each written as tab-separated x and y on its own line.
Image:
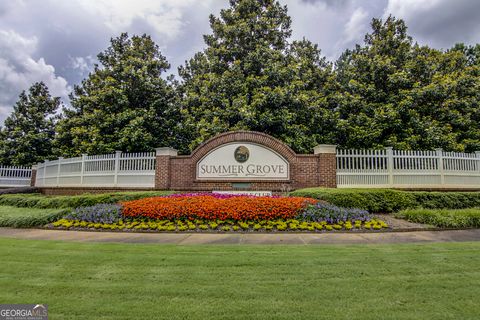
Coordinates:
212	208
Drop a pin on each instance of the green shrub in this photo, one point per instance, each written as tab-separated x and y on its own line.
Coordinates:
388	200
447	200
28	217
443	218
372	200
40	201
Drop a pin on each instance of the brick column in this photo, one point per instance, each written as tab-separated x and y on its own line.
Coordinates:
162	167
327	165
34	176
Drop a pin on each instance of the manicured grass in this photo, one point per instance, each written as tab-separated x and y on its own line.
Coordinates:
28	217
461	218
145	281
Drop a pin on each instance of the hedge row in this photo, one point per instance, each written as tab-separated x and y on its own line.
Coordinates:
443	218
387	200
84	200
28	217
19	190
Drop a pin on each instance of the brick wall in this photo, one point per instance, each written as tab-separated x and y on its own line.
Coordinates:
327	167
162	172
311	170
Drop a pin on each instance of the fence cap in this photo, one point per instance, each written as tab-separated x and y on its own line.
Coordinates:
166	151
325	148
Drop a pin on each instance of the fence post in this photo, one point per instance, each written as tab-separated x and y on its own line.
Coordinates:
33	175
440	165
44	171
58	171
117	167
390	165
82	170
477	155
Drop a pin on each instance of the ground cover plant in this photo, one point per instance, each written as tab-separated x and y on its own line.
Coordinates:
222	225
28	217
443	218
384	281
220	213
99	213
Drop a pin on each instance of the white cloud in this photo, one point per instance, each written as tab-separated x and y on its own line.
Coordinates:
164	16
356	26
19	70
82	64
405	8
439	23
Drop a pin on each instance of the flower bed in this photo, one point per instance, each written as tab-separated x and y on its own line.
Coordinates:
220	213
216	206
223	226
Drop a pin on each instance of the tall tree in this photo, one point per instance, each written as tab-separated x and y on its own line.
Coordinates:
124	104
29	131
396	93
250	77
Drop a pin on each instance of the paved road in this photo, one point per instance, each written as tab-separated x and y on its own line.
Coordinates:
277	238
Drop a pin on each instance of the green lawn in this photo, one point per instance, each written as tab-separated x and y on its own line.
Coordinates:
146	281
27	217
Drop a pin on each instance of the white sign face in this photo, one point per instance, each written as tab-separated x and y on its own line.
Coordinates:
242	161
246	193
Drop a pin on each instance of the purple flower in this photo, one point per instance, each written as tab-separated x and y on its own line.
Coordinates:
332	214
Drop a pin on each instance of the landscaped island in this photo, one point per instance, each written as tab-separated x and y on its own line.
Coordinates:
220	212
307	210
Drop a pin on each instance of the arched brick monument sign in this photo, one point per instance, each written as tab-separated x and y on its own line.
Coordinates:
245	160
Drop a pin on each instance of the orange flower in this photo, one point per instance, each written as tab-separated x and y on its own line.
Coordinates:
212	208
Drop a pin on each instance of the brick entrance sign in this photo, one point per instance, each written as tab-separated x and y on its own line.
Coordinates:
245	160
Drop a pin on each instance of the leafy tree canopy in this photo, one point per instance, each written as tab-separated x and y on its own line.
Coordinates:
251	77
124	104
394	92
28	132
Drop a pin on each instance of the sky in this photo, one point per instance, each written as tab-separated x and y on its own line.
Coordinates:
56	41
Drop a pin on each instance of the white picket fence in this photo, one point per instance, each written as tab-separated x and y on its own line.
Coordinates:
407	169
11	176
129	170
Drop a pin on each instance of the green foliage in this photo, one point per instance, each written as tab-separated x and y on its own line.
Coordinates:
28	217
124	104
387	91
387	200
447	200
393	92
443	218
27	135
372	200
84	200
250	77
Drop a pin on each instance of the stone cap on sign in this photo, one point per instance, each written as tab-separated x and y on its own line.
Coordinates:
166	151
325	148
